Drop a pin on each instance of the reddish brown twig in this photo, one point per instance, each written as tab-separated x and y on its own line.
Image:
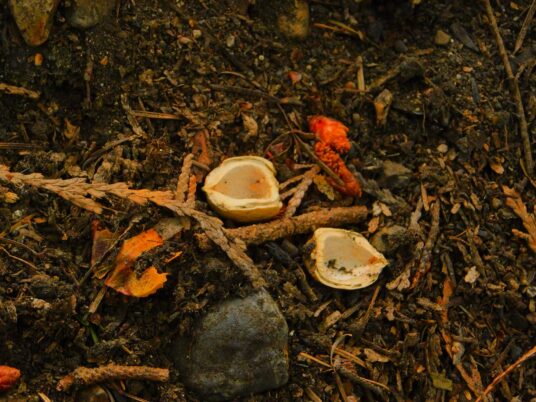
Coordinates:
88	376
427	253
501	376
263	232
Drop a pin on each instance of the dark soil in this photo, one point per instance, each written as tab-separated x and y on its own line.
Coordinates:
452	124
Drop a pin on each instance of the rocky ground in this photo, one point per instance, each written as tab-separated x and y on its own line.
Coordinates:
109	92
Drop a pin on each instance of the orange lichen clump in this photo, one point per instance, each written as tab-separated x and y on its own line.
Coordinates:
330	132
8	377
332	141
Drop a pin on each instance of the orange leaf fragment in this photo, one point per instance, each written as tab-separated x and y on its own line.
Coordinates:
124	280
294	76
8	377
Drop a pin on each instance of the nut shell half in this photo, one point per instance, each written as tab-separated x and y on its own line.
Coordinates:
244	189
343	259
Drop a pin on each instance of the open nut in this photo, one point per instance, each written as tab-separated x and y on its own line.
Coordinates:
343	259
244	189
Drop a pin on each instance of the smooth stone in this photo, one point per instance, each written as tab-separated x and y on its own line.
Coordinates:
441	38
34	19
88	13
238	349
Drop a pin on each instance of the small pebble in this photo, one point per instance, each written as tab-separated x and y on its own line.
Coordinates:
443	148
441	38
400	46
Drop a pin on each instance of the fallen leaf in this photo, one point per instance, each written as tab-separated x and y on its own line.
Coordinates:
324	187
496	166
401	282
382	105
8	377
373	356
515	202
373	224
123	279
250	125
102	241
70	131
441	382
294	76
472	275
385	210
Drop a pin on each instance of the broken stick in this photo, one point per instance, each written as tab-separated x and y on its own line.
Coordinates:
263	232
88	376
13	90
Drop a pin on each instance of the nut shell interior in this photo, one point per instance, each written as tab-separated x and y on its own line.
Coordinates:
343	259
244	189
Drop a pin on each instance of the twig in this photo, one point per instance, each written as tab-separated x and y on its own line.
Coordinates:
256	92
155	115
29	264
77	191
427	252
514	87
263	232
501	376
18	145
131	119
359	326
525	27
376	387
13	90
182	183
192	187
304	285
88	376
302	188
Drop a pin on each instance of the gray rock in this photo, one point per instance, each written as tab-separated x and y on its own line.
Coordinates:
237	349
394	175
388	239
34	18
88	13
